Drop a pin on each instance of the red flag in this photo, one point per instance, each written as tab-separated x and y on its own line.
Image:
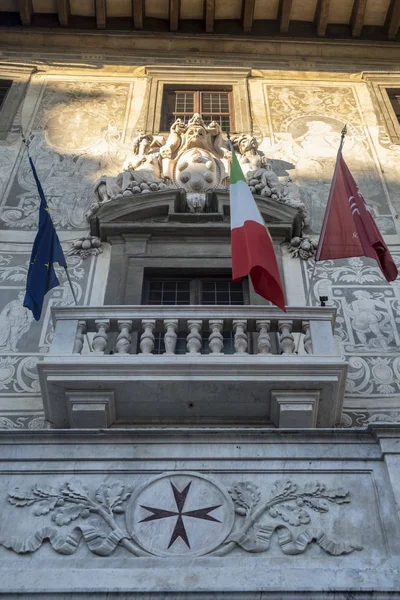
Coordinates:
252	248
349	228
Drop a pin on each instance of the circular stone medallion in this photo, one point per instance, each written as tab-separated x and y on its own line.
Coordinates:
180	514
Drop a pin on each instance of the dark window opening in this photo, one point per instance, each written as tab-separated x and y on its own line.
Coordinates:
211	104
207	291
394	97
5	85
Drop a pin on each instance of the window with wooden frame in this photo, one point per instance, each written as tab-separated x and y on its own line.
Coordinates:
213	104
5	85
208	291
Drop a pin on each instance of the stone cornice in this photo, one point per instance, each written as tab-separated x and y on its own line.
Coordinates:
52	40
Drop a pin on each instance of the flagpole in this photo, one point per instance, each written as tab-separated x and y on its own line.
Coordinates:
329	203
66	268
324	224
328	208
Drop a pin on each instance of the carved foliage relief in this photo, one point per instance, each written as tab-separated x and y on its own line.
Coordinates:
306	121
76	137
180	514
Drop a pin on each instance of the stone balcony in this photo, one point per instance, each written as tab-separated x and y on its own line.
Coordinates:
140	365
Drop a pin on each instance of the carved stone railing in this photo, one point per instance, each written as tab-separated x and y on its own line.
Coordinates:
197	363
111	328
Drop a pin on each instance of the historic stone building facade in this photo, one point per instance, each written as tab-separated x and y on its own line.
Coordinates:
174	436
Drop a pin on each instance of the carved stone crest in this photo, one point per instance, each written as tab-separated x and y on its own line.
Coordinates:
179	514
194	158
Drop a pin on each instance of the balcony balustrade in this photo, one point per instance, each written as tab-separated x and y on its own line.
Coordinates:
121	365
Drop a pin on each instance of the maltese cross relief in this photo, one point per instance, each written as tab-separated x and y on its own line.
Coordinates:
180	514
180	499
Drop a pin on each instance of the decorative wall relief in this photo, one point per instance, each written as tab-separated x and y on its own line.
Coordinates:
367	325
23	341
306	121
76	115
179	514
195	158
14	421
77	135
363	418
15	320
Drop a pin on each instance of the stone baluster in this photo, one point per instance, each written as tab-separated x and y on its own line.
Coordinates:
286	339
79	338
194	340
100	339
239	329
170	336
123	343
147	337
216	340
307	342
264	341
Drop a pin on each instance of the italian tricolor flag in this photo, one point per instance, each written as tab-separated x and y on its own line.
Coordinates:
252	249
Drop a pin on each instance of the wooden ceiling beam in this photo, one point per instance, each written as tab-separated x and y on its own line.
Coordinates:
101	14
357	17
248	15
25	11
285	7
174	9
138	13
63	10
209	9
393	19
321	16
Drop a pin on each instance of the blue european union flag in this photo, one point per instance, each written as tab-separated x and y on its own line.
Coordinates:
46	251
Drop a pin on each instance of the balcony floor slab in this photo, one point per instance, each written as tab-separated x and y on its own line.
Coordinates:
191	389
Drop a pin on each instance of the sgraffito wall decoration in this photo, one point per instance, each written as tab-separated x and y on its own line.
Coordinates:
305	122
76	137
81	130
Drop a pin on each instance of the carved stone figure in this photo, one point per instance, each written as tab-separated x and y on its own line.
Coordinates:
261	177
15	320
174	139
196	202
368	316
141	174
145	164
196	134
257	168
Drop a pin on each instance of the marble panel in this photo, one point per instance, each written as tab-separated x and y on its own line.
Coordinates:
219	513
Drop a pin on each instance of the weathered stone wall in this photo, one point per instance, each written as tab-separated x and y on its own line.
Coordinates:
80	122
